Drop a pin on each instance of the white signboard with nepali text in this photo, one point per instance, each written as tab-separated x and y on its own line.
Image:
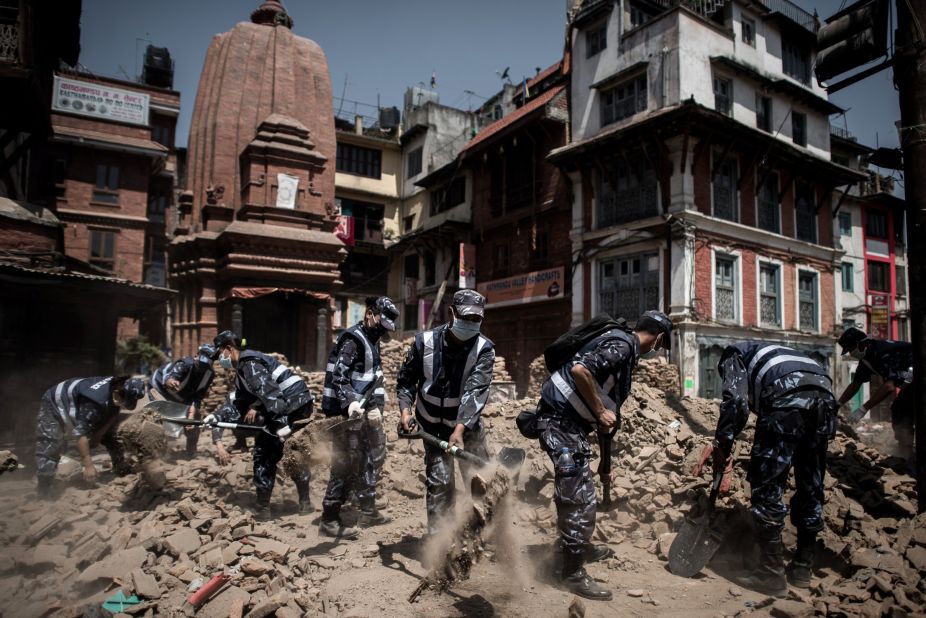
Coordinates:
99	101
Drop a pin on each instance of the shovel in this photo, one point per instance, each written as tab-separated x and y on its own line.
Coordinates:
510	457
173	413
697	541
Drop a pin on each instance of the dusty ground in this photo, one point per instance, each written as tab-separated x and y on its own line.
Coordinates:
61	556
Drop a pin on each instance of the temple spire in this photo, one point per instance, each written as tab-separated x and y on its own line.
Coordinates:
272	13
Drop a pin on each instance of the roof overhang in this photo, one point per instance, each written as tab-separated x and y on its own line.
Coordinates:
534	109
698	120
107	141
779	84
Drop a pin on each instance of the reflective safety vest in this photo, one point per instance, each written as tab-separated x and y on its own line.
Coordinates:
290	384
439	393
560	391
766	363
192	386
363	372
68	393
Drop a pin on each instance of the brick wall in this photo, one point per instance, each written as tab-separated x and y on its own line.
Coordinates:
24	236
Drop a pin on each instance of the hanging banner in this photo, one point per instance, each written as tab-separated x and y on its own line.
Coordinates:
880	321
287	190
99	101
345	230
467	265
527	288
355	312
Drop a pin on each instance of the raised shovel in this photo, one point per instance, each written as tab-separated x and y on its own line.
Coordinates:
511	458
173	416
698	539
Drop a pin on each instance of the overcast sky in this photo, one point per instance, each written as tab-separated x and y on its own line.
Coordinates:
377	49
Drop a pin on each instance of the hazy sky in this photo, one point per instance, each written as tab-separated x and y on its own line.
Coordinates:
379	48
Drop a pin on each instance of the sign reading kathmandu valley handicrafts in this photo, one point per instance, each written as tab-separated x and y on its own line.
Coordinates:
527	288
99	101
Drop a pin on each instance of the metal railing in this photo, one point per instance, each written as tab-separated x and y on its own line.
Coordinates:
843	133
794	13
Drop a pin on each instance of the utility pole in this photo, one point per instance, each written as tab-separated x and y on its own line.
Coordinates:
910	78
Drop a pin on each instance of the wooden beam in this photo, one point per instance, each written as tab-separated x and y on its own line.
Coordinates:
747	171
826	195
842	198
723	158
703	145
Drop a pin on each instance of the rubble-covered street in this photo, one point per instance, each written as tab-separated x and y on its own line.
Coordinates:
61	557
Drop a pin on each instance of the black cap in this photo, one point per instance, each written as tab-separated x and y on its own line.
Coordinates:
132	391
469	302
387	312
657	320
225	338
850	339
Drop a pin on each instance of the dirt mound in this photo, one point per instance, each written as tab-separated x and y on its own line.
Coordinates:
142	435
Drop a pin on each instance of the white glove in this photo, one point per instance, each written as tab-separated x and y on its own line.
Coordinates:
354	410
210	420
375	417
284	433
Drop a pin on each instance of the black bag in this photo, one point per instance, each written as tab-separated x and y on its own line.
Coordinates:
527	423
565	347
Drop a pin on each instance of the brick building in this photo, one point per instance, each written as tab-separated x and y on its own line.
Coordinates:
114	170
521	220
255	249
701	173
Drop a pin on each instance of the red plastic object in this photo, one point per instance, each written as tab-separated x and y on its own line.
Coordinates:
208	589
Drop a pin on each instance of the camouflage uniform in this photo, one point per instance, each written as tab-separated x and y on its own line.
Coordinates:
893	360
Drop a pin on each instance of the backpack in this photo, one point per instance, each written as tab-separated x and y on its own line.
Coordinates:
566	345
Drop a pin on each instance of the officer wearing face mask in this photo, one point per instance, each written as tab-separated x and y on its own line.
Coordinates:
583	395
88	410
893	362
445	378
185	381
360	447
266	393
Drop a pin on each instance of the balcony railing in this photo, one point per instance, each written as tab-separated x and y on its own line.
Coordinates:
843	133
709	7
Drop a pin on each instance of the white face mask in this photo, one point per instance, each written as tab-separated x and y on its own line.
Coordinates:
464	330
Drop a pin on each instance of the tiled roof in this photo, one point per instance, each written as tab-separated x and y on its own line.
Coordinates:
522	112
62	273
145	146
544	74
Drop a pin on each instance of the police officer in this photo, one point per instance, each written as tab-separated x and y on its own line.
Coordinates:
88	409
586	394
360	447
446	377
266	393
791	396
893	362
185	381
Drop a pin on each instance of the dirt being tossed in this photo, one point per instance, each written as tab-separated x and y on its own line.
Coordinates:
142	436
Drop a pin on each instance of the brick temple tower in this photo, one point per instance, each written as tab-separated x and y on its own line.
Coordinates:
254	250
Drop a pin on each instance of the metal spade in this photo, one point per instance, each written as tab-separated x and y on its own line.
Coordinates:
698	540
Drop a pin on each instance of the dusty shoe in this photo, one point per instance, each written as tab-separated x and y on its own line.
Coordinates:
373	518
47	488
262	506
122	469
334	528
799	575
773	585
597	552
381	502
581	584
305	506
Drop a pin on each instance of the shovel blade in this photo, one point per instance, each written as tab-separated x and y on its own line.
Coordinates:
511	458
693	547
169	409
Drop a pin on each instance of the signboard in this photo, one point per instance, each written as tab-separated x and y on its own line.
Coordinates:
99	101
467	265
355	312
287	189
527	288
880	320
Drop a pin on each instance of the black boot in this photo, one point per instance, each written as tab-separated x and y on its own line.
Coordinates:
769	577
305	501
596	553
331	525
800	571
262	505
578	582
45	487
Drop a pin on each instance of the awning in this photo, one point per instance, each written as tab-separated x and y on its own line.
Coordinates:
249	293
108	141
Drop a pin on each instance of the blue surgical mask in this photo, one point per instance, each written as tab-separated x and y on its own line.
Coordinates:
649	355
464	330
225	362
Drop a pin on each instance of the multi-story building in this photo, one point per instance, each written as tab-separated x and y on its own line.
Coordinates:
869	226
435	214
701	173
115	174
366	188
521	220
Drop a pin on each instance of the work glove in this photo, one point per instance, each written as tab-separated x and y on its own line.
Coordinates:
722	464
702	459
211	419
856	415
284	432
354	410
375	417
